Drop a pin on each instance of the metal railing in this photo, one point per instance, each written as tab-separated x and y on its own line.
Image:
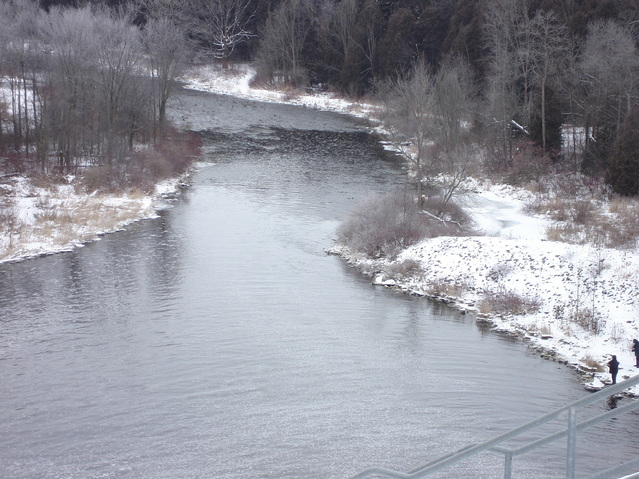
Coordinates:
496	444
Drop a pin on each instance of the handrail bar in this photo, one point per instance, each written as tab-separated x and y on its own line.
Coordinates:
383	471
492	444
615	471
435	461
582	425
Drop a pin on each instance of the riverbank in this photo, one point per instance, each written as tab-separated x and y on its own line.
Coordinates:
580	299
42	219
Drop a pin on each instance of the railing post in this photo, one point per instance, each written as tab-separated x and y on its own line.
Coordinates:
572	443
508	465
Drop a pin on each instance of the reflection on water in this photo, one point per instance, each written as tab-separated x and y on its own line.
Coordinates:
220	341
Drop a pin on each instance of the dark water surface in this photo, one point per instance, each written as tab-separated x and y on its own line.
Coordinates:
220	341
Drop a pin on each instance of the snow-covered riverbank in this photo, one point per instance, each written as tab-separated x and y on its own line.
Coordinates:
511	258
40	220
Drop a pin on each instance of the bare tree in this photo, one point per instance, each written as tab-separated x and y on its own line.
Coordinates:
454	109
282	41
342	23
336	25
428	117
609	66
503	106
362	52
21	63
222	25
117	50
71	118
551	46
455	102
178	12
166	48
409	101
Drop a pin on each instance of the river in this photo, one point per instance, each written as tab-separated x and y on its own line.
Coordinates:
220	341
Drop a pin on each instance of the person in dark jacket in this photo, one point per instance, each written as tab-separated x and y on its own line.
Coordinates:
613	367
635	349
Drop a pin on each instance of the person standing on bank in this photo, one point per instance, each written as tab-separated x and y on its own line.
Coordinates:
635	349
613	367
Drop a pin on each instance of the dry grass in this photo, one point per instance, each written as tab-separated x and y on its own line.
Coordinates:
562	232
612	224
592	363
624	207
65	223
291	93
136	194
581	212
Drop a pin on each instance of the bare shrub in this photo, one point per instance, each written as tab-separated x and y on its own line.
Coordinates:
405	269
46	215
623	236
96	178
443	287
159	167
561	232
624	207
617	332
292	93
624	231
39	180
169	158
559	312
589	320
382	226
535	204
598	230
8	222
43	202
6	193
504	301
558	209
527	164
499	271
583	212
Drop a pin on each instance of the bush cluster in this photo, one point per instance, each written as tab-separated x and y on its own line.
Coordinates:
505	301
382	226
169	158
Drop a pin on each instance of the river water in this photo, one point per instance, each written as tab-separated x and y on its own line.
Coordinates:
220	341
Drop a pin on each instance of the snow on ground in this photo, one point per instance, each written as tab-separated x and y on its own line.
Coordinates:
236	81
512	257
38	220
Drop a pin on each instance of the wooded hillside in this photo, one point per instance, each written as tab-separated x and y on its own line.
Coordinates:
543	71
